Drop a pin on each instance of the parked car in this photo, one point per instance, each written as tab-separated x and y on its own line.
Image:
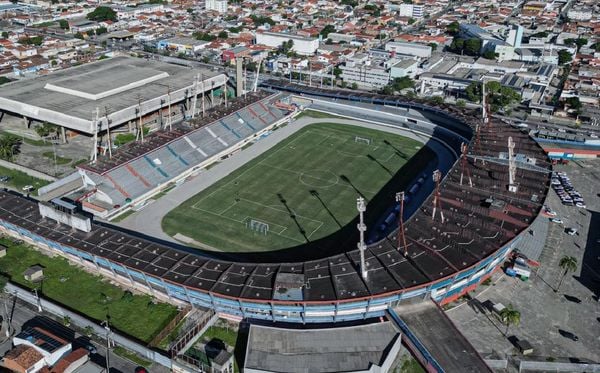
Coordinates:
556	220
28	188
569	335
4	179
571	231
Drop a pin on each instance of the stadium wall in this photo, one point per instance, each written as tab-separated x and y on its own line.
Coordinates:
441	291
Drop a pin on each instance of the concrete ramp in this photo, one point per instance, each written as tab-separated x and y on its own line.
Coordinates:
435	340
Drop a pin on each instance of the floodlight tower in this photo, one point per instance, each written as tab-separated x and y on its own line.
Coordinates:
400	198
463	160
194	97
512	166
360	206
437	203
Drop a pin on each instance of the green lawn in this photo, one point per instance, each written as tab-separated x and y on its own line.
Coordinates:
19	179
227	335
130	355
91	295
59	160
305	188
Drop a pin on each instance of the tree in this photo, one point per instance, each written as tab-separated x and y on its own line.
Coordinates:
489	54
573	103
261	20
354	86
79	35
510	316
453	28
46	129
461	103
579	42
223	35
101	30
64	24
337	72
433	46
472	46
327	30
102	13
437	100
34	40
5	34
88	331
203	36
473	92
564	56
9	146
568	264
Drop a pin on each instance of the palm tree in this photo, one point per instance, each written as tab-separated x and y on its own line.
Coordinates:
510	316
569	264
8	146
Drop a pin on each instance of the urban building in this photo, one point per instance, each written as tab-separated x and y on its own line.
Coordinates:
216	5
408	49
305	46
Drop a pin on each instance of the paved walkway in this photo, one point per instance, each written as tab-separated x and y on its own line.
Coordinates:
544	313
148	220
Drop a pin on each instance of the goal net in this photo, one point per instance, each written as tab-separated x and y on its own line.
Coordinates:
362	140
257	226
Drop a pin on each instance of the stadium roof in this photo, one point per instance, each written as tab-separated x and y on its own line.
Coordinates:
114	86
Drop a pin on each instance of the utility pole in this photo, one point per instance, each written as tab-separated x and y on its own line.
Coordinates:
203	104
140	133
437	202
109	142
107	328
362	228
95	119
169	107
400	198
38	301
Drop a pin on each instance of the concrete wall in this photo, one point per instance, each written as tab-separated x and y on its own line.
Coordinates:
28	171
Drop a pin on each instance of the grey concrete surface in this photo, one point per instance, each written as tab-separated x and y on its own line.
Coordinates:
544	312
148	220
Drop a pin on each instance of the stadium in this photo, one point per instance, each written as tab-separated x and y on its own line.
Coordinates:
470	219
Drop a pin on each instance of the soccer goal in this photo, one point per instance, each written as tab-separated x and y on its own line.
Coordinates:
258	226
362	140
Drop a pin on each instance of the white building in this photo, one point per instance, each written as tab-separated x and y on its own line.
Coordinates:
216	5
407	67
367	73
302	45
410	10
182	45
580	14
408	49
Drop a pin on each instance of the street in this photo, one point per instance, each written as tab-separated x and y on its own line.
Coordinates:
24	315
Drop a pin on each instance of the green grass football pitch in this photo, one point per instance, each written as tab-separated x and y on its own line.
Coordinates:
303	189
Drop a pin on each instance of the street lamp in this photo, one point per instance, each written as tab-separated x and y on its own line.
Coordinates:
107	328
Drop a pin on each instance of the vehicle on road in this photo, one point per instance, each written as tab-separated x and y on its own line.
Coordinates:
569	335
571	231
556	220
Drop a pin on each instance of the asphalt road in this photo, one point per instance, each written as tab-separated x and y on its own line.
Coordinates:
24	314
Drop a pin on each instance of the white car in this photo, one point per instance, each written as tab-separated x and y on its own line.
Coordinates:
580	205
28	188
556	220
571	231
550	213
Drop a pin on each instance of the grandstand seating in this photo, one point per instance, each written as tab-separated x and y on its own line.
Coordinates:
164	155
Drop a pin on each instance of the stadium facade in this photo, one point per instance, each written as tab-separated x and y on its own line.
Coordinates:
445	256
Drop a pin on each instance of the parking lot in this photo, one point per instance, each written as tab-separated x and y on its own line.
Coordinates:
547	317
